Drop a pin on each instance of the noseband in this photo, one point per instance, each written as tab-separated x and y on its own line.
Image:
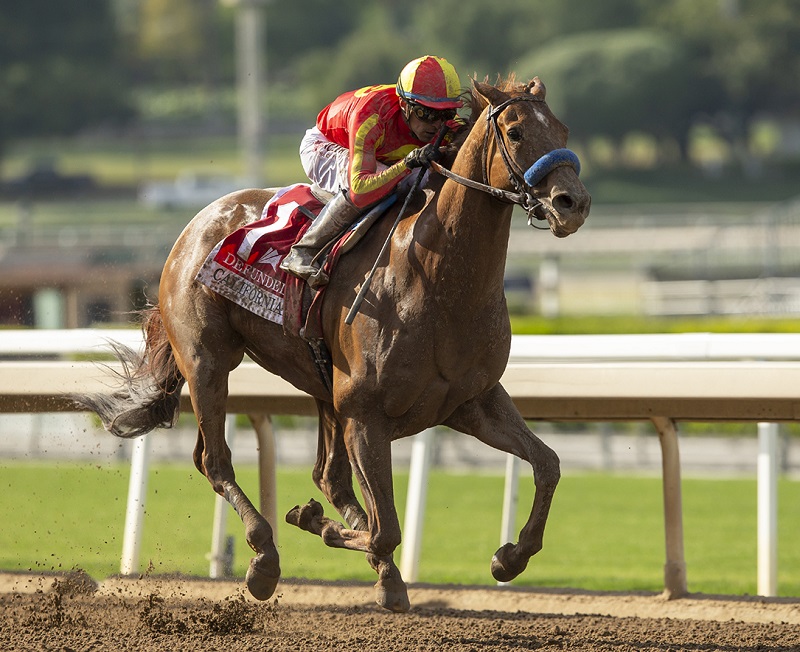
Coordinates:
523	181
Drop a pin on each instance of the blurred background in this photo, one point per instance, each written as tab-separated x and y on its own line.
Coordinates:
119	119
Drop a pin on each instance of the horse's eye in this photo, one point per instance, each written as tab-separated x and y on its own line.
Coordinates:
514	134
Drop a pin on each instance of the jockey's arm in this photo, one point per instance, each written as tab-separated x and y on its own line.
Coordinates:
368	183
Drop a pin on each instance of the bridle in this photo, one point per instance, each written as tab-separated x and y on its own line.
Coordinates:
523	181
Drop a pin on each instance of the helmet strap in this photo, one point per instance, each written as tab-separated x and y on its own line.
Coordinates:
405	107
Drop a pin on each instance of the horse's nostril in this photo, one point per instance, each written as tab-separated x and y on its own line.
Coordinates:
564	202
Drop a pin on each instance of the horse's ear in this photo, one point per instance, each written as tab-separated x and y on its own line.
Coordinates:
536	88
490	93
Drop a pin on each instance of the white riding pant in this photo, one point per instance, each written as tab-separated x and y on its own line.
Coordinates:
326	163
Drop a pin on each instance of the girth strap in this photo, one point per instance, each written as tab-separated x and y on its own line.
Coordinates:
323	362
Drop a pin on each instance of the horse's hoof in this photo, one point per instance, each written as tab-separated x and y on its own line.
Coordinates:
392	596
303	516
261	580
506	564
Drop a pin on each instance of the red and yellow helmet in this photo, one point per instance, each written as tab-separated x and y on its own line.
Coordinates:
432	82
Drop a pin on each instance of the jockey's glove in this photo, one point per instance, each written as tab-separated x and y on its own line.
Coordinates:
422	156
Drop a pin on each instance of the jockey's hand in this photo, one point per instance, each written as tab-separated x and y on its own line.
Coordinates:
422	156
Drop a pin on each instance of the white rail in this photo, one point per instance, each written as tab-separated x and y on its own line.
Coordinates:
660	378
68	341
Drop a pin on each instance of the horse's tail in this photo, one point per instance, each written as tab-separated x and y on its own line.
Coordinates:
149	396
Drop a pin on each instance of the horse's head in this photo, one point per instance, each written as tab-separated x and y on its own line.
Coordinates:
525	153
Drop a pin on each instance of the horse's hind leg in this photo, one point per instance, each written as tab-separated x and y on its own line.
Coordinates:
206	361
332	472
493	418
333	476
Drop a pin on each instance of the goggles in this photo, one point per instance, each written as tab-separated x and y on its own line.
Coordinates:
426	114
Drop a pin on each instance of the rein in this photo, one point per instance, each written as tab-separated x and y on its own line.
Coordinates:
522	181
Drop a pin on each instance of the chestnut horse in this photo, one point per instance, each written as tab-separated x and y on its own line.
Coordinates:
428	346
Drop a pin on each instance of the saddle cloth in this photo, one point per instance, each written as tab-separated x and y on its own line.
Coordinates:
244	267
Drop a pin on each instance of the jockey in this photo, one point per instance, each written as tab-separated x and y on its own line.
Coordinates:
365	143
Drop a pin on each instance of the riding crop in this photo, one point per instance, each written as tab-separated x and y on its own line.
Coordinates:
365	287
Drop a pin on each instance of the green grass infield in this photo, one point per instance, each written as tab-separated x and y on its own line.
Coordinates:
605	531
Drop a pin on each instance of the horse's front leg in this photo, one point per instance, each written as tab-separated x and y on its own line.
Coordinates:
493	419
208	388
333	476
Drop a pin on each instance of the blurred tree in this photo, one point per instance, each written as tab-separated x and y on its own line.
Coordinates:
59	69
556	19
372	53
612	66
489	39
614	82
178	41
751	46
296	29
480	36
748	50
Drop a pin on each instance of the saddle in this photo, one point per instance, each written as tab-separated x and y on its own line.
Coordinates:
244	266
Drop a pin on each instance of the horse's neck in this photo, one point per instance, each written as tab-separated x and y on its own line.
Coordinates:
468	233
483	220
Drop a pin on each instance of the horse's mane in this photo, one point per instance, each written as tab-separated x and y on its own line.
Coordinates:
508	85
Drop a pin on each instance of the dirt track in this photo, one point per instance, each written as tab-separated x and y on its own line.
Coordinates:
71	613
